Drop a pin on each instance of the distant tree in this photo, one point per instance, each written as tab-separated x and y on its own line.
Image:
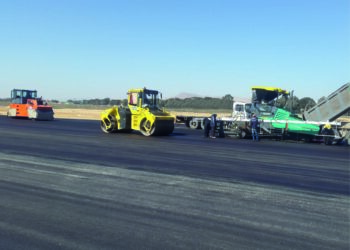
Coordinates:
105	101
75	101
323	98
115	102
293	105
306	103
200	102
281	102
5	99
227	101
227	97
124	102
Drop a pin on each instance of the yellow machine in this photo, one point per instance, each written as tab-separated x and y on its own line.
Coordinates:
142	114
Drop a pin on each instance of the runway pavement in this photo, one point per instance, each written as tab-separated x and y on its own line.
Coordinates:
66	185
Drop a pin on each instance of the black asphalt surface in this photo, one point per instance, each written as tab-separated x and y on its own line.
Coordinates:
66	185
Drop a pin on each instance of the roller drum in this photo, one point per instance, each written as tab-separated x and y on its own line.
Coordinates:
159	127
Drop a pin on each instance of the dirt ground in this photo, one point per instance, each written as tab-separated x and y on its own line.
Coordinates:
3	110
87	114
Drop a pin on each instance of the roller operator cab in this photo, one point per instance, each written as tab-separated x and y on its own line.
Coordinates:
26	104
142	113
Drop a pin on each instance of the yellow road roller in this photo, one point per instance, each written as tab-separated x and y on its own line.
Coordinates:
143	114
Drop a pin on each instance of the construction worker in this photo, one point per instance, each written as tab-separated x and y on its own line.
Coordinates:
328	134
212	125
206	127
254	124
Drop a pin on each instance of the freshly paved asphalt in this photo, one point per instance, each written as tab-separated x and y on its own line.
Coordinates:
66	185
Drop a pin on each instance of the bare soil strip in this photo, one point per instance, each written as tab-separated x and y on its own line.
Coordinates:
94	114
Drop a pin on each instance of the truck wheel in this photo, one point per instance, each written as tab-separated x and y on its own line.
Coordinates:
109	125
328	140
194	124
242	134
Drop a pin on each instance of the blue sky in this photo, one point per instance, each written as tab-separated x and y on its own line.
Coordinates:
100	48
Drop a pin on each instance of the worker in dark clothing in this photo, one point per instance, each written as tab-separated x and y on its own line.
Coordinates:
328	134
212	125
206	127
254	124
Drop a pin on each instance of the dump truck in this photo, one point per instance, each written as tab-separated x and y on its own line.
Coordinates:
26	104
142	113
330	109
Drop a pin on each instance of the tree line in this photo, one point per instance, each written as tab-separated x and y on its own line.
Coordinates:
98	102
294	104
